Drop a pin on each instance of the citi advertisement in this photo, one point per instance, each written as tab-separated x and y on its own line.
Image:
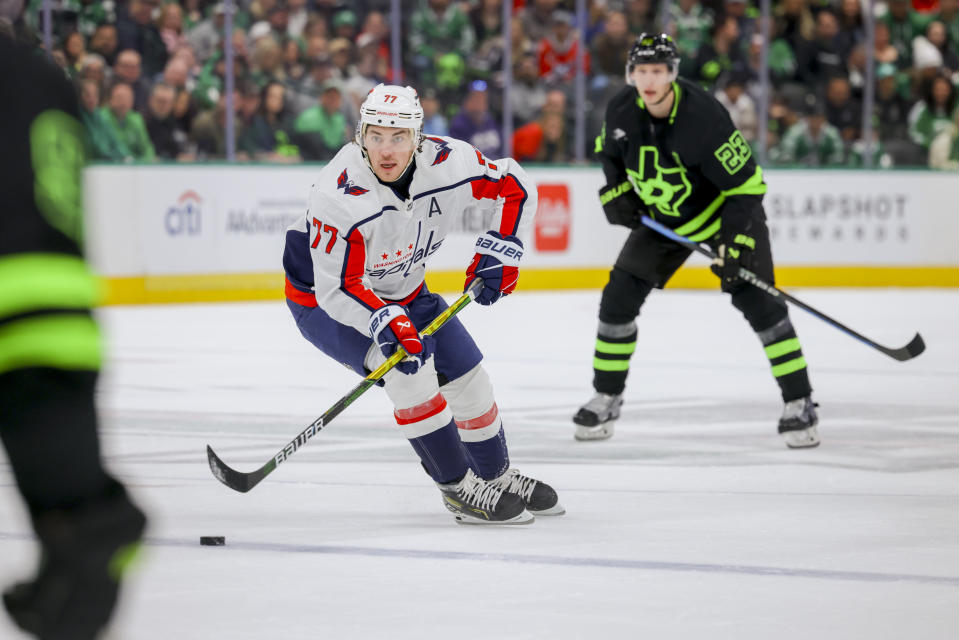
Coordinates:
211	220
186	216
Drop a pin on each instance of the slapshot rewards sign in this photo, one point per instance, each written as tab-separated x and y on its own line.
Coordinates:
861	217
811	220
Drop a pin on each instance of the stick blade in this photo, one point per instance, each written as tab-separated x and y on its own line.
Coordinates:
236	480
916	346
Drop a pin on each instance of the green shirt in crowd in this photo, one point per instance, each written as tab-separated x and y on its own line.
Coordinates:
925	123
331	127
799	146
132	132
105	143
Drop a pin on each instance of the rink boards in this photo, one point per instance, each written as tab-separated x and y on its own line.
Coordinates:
176	233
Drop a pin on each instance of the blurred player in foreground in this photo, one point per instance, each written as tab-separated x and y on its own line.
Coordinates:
669	150
355	266
49	358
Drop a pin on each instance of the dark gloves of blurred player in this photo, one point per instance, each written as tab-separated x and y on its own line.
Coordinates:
622	205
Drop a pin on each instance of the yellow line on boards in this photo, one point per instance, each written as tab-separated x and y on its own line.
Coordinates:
233	287
228	287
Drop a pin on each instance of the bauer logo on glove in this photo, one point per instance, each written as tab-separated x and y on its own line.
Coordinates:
622	205
494	246
497	263
391	329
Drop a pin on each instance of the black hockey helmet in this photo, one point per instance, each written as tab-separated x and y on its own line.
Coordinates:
651	48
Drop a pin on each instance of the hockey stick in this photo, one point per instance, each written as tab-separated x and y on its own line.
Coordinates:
911	350
243	482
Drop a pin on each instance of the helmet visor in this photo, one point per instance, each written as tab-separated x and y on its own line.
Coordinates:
392	139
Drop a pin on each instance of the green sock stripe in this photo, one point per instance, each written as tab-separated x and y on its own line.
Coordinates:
60	341
610	365
45	280
788	367
778	349
618	348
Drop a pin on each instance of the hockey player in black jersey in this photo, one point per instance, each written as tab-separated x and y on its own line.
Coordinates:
87	526
670	151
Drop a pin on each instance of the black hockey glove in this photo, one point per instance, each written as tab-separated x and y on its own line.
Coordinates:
735	251
622	205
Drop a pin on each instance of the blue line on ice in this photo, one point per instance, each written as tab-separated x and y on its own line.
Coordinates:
566	561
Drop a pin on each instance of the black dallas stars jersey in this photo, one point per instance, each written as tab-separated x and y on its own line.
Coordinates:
46	289
692	168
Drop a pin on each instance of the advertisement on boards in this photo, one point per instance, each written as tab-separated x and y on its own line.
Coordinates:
214	219
850	217
551	227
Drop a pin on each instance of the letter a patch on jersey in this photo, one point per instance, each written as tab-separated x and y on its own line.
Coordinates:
344	182
435	207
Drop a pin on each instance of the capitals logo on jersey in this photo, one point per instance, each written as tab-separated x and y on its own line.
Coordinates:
344	182
442	150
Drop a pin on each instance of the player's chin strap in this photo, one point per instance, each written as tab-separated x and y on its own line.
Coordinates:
672	86
665	95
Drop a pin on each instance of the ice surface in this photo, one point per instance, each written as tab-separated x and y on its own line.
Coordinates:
694	521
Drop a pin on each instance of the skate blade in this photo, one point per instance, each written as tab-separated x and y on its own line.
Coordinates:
556	510
599	432
801	439
523	518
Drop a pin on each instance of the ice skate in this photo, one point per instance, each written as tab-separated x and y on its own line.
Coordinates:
596	418
539	497
473	500
797	426
85	551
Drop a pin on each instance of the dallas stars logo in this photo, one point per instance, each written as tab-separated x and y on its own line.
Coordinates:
664	188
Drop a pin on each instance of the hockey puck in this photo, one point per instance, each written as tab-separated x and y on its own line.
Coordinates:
212	541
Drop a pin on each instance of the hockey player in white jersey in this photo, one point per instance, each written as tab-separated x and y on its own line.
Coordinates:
354	282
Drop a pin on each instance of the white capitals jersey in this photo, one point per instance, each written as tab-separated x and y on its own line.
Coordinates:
360	245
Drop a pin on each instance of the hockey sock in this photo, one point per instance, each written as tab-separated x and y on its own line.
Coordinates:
442	454
615	344
430	428
786	359
49	428
489	458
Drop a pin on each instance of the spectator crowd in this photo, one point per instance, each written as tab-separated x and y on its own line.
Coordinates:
151	73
